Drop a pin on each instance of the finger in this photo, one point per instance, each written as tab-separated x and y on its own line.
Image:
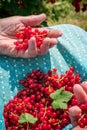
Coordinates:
33	20
54	33
53	42
51	33
45	46
84	86
80	93
32	48
74	112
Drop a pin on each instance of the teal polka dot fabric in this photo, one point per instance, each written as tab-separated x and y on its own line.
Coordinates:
71	50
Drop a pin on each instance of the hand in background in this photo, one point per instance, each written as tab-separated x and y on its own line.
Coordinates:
9	26
81	94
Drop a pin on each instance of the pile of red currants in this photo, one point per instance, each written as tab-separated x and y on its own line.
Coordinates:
42	103
24	35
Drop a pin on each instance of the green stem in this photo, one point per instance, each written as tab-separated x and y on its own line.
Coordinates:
27	126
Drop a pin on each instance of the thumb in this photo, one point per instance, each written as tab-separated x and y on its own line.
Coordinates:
33	20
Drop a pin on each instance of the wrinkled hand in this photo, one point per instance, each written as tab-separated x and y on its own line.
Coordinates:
81	94
9	26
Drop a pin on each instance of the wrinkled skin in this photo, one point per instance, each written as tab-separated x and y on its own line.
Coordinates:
81	94
9	26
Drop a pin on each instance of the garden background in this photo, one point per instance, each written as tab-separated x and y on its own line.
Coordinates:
57	11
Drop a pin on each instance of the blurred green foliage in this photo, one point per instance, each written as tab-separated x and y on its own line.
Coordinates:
28	7
59	10
19	7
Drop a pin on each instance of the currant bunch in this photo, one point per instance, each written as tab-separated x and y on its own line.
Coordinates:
79	6
82	119
52	1
34	98
24	35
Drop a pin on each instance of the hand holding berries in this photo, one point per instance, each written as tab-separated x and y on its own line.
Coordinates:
11	25
78	114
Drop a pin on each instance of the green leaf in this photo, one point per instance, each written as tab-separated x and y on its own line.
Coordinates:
60	98
59	104
26	117
66	95
57	93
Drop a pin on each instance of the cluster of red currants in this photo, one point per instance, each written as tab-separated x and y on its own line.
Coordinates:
34	102
77	5
52	1
82	119
24	35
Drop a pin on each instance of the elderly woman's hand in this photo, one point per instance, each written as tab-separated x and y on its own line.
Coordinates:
9	26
